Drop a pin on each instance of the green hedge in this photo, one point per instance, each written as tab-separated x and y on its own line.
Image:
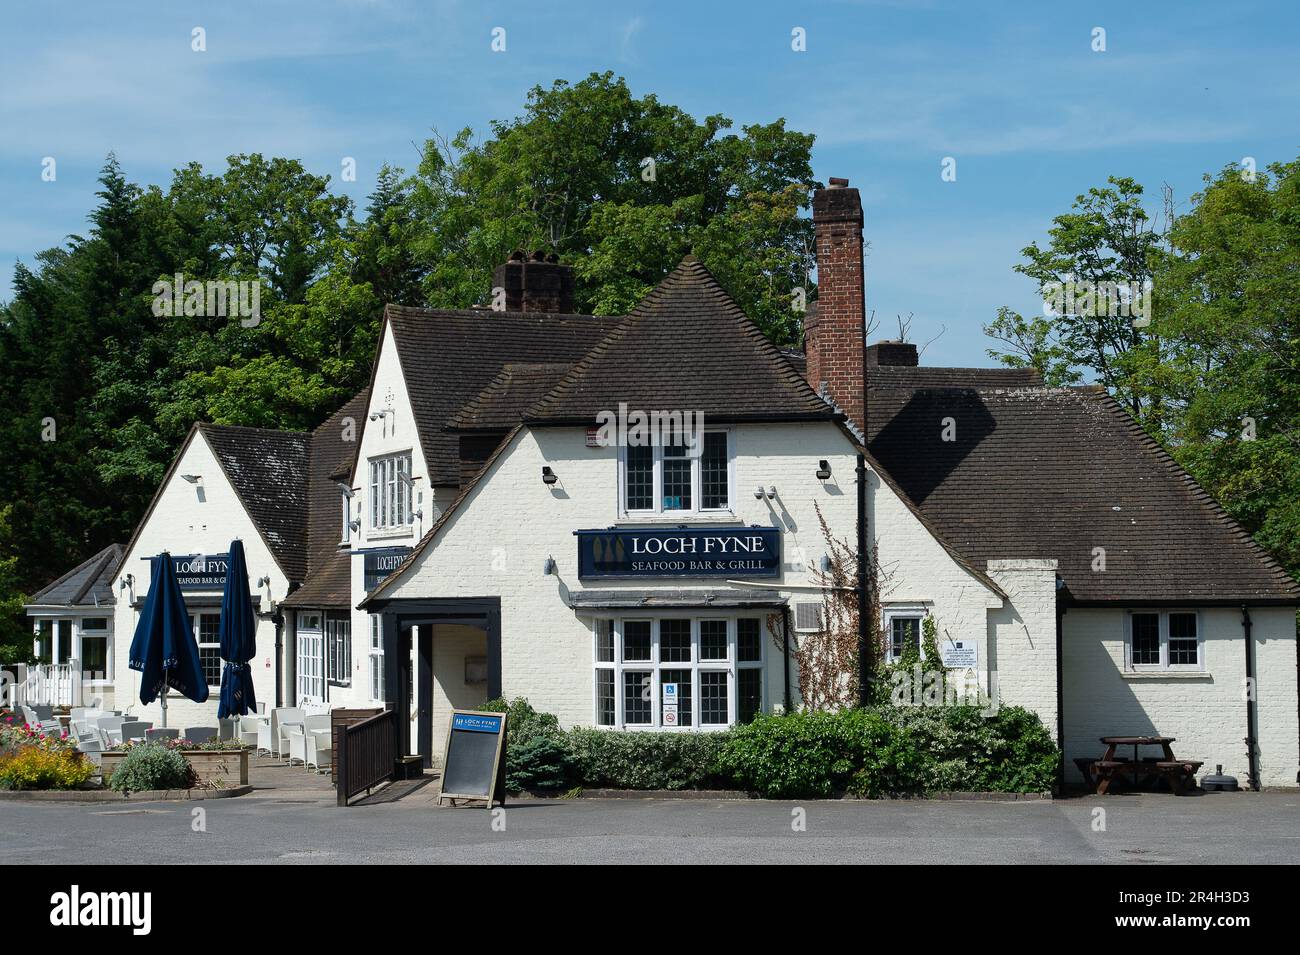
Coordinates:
881	751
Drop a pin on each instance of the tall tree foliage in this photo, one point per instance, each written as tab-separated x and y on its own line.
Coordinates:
620	186
1215	375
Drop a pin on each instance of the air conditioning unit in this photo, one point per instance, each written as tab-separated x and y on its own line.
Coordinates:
807	617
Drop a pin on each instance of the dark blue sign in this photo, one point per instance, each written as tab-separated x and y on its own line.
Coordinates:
476	724
680	552
201	571
380	562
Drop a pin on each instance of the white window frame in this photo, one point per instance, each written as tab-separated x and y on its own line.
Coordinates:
308	638
906	611
1164	666
731	665
376	659
196	617
389	493
345	535
657	483
338	637
95	633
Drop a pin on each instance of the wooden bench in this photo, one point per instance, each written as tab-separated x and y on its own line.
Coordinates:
1178	773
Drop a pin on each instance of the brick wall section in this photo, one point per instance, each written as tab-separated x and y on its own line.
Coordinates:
834	334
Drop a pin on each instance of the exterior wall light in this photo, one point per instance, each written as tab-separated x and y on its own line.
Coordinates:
826	563
548	476
355	525
192	478
771	493
376	415
758	492
823	470
548	566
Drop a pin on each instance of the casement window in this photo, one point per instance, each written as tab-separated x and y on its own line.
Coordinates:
338	648
665	477
376	659
94	646
345	535
714	663
902	633
390	491
311	682
1156	640
207	627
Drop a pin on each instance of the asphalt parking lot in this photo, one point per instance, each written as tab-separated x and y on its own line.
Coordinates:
284	826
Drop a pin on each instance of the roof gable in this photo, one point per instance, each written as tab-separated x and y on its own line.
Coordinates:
268	470
449	357
686	346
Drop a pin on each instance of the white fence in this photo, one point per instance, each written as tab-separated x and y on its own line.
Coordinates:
51	684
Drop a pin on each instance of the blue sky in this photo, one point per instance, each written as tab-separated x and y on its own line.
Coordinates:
1013	91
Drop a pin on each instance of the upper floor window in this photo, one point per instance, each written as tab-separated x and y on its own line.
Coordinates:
1163	640
670	476
390	491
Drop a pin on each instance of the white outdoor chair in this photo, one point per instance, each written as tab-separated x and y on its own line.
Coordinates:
318	751
248	727
29	716
51	727
90	743
134	730
268	733
110	730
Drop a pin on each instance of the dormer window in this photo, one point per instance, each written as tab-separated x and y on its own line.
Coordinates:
671	477
390	491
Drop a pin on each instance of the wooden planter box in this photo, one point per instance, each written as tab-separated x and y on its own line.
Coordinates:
224	767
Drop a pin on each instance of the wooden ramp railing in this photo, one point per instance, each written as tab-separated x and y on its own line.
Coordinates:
366	754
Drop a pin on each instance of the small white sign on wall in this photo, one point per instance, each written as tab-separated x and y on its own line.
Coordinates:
959	653
670	694
670	714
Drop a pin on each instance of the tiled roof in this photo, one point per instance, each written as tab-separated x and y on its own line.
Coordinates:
449	357
1040	472
328	586
268	470
89	584
687	346
515	389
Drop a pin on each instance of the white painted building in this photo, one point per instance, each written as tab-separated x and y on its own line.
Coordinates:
459	531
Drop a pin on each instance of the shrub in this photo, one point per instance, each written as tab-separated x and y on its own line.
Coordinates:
150	766
622	760
537	754
793	756
17	735
34	767
892	750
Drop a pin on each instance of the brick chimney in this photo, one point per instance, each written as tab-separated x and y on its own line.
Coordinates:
891	351
535	283
835	331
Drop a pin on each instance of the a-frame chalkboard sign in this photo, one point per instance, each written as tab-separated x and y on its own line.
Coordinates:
474	763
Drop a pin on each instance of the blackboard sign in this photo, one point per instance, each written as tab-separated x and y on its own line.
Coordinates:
680	552
474	763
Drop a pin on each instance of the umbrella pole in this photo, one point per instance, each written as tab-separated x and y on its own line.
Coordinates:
164	708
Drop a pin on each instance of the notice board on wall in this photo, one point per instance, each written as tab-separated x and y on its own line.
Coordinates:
474	761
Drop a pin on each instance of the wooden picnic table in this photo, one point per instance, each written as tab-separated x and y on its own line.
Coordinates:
1109	768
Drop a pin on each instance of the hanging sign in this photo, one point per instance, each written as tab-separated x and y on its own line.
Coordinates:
200	571
680	552
380	562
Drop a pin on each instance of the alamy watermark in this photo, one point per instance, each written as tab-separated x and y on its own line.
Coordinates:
634	428
1095	299
213	298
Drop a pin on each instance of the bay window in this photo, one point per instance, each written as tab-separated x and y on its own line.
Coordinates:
669	476
678	672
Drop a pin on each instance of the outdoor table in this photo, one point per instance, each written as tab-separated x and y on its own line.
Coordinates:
1170	767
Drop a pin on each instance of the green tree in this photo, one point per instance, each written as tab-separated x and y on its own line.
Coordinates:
621	187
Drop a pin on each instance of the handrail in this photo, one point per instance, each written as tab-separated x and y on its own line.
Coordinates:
367	754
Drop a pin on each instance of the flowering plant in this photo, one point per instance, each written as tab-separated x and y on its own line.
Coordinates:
15	735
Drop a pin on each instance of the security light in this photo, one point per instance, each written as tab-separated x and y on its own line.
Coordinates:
823	470
758	492
406	479
548	566
826	563
344	488
549	477
192	478
376	415
354	525
263	582
771	492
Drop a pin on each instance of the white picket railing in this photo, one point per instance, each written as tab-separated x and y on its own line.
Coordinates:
51	684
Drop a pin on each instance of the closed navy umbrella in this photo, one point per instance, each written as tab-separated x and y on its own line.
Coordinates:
238	637
163	648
